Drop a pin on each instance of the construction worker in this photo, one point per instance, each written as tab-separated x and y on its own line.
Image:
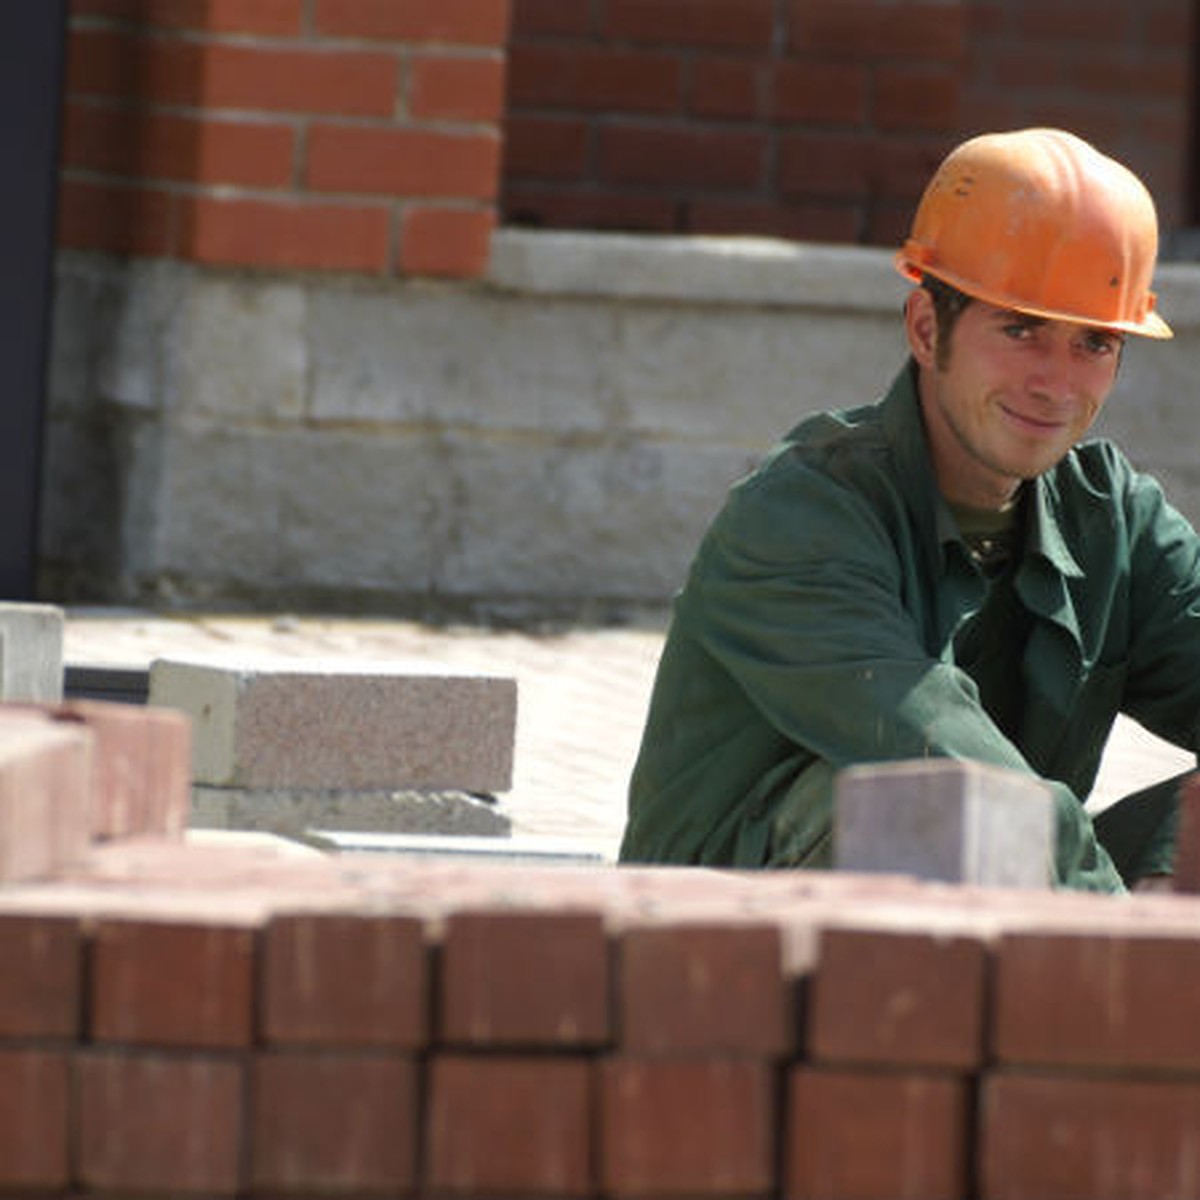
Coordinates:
950	571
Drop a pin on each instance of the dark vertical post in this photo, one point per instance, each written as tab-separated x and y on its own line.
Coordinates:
32	42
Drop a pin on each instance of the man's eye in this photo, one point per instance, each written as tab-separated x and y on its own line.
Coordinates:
1099	342
1017	330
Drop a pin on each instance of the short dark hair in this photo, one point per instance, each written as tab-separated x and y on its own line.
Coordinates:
948	306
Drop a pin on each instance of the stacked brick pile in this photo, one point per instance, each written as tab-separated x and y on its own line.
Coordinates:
178	1019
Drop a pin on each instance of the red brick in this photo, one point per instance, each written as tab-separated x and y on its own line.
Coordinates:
733	88
457	89
448	243
825	165
545	147
1187	838
345	980
709	988
501	1124
879	29
882	997
531	18
916	98
115	218
465	22
802	221
1057	21
599	79
268	17
34	1118
683	157
525	979
338	1121
825	93
125	141
45	797
559	209
170	983
286	235
1097	1000
1112	75
403	162
214	75
860	1134
40	985
729	24
151	1122
695	1127
1077	1138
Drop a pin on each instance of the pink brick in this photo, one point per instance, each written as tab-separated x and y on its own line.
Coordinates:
141	767
525	979
345	980
41	979
696	1127
704	988
34	1116
168	1124
1097	1000
502	1124
45	795
859	1134
1085	1136
342	1122
172	983
891	997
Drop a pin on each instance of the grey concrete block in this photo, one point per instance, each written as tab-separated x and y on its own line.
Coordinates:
300	724
31	652
291	811
960	822
237	349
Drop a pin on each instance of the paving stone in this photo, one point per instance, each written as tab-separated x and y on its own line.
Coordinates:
290	811
960	822
31	652
342	725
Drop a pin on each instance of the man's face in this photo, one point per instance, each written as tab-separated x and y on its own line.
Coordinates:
1014	394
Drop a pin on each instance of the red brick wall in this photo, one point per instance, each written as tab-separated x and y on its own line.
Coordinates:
178	1019
819	119
357	135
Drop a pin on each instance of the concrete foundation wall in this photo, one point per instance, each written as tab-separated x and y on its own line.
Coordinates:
549	441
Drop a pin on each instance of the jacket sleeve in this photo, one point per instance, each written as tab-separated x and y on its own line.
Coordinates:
808	615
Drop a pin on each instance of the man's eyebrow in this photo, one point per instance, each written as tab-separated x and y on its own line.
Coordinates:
1007	315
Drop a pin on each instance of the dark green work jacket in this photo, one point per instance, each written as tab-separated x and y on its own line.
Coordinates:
817	629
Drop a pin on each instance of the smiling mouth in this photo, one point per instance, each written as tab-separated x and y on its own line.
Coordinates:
1033	424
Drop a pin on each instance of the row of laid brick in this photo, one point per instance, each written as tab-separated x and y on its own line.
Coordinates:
344	1123
203	952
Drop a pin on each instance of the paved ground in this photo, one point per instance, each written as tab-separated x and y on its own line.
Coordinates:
582	696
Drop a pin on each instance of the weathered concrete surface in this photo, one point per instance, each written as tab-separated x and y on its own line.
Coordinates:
31	652
550	441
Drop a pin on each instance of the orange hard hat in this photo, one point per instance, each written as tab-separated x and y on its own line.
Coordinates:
1041	222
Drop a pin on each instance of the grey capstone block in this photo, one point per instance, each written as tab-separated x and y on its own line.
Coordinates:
293	811
302	724
31	652
941	819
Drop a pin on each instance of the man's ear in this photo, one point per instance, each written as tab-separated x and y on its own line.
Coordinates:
920	324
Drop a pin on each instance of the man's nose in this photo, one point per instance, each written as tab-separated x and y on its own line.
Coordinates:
1053	375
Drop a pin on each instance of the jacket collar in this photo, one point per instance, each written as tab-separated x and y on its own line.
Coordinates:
904	429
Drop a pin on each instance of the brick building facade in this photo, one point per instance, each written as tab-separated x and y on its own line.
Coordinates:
388	138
